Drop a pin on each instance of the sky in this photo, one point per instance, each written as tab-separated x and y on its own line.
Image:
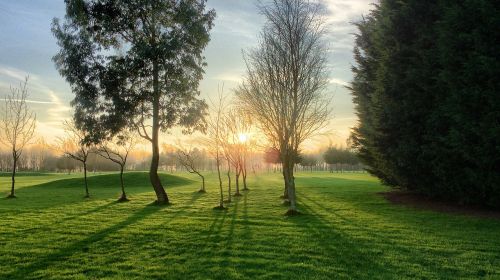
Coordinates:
27	46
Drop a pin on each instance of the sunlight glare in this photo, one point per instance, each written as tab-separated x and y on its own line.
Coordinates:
242	137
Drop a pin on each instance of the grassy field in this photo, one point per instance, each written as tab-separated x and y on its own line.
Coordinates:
347	230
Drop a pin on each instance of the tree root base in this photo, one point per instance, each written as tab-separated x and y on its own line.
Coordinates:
123	199
291	213
11	196
237	194
87	196
246	189
202	191
161	203
220	208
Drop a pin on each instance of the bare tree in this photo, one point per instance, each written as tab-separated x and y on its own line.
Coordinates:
18	125
284	89
214	133
192	161
117	151
74	146
235	144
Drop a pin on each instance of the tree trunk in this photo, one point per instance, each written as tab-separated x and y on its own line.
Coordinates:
13	183
221	202
229	180
87	194
237	174
285	193
289	178
124	195
202	183
161	195
245	188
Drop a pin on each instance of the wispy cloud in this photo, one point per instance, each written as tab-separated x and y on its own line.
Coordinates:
235	77
339	82
13	73
51	110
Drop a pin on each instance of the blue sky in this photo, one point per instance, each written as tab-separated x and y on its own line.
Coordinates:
27	46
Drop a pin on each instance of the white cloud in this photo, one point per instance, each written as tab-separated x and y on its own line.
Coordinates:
339	82
50	109
235	77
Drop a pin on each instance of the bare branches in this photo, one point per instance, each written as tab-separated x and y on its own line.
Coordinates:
118	149
17	122
287	77
17	125
192	160
72	144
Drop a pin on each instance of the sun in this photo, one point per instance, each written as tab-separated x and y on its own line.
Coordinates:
242	137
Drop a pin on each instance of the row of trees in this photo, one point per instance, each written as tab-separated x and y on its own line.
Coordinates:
426	92
138	64
134	64
334	158
135	67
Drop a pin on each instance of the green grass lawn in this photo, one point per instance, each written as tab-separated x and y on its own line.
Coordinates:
346	231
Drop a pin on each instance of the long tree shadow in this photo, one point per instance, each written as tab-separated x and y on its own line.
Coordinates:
377	245
29	271
344	251
61	192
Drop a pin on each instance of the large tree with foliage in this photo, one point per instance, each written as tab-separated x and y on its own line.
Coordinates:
284	89
135	63
426	92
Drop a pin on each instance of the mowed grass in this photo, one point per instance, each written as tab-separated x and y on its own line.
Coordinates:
346	231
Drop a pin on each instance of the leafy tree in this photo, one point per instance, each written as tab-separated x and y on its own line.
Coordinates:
426	93
135	63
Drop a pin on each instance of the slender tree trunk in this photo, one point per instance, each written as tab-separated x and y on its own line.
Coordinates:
13	179
245	188
87	194
124	195
202	183
229	180
237	174
244	174
161	195
221	201
291	188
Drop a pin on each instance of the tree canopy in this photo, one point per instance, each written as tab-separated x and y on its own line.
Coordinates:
426	92
135	63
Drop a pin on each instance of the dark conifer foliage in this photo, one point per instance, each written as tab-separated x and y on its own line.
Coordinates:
426	93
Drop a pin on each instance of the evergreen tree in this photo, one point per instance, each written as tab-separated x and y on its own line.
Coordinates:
425	90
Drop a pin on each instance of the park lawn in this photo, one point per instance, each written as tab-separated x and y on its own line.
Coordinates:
346	230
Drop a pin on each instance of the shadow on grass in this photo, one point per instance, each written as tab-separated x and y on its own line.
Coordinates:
29	271
67	191
376	243
341	248
84	214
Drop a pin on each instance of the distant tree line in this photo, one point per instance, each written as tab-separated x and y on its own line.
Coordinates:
426	89
333	159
